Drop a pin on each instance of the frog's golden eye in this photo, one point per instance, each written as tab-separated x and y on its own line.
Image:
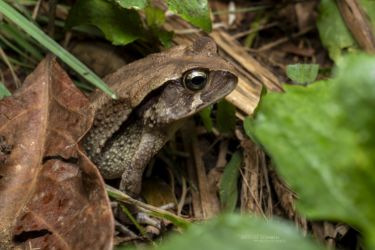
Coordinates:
195	79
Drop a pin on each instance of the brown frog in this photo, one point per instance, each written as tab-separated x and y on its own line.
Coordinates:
156	94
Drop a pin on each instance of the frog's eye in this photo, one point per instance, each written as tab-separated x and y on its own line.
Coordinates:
195	79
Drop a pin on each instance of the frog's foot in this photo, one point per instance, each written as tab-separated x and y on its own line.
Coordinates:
132	222
145	219
153	226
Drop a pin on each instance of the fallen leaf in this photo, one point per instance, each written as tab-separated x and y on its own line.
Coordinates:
51	195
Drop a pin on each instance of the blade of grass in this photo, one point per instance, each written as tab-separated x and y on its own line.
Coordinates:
154	211
23	2
21	7
4	58
21	40
16	49
21	64
54	47
126	211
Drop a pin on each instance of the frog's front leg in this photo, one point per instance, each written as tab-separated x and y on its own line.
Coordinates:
127	154
151	141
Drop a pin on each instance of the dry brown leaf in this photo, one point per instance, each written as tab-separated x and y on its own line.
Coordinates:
358	23
51	195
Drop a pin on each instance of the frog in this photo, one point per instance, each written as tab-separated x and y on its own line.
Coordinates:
156	94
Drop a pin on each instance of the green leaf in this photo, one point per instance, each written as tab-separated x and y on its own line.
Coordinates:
369	8
155	18
322	139
4	91
226	117
119	25
333	32
229	183
194	11
165	37
132	4
205	115
302	73
54	47
240	232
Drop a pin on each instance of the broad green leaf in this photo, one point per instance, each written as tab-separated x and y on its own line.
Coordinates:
302	73
4	91
241	233
194	11
226	117
36	33
205	115
229	183
333	32
119	25
132	4
155	18
322	139
355	92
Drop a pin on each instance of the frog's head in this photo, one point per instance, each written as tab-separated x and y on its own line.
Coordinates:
197	78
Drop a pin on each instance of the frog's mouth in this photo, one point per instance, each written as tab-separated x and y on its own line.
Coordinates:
221	84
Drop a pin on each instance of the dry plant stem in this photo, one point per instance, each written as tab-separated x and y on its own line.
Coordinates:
210	202
120	196
358	23
181	203
305	13
221	159
329	233
123	229
231	13
283	40
303	224
67	38
216	173
10	66
286	198
36	9
197	210
170	165
263	164
251	198
51	17
252	75
284	194
172	184
247	66
196	31
250	31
